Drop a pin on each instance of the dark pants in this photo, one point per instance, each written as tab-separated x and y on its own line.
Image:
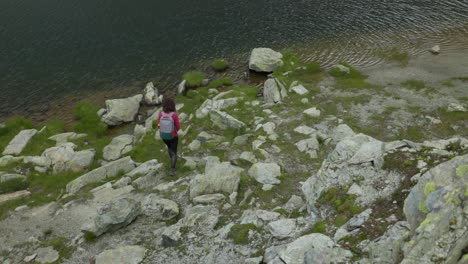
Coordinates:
172	148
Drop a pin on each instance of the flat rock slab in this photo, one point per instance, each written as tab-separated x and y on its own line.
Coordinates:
46	255
118	147
13	196
19	142
122	255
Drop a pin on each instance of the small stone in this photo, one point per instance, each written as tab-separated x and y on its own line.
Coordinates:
312	112
46	255
435	50
30	258
124	255
300	90
304	100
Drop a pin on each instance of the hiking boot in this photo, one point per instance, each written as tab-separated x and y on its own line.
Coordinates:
172	172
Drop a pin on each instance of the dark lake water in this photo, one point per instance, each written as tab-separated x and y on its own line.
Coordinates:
53	48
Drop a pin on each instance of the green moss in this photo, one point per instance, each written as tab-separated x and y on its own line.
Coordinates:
429	187
87	120
352	80
240	233
340	220
422	207
219	65
462	171
393	55
466	191
194	78
89	237
448	83
319	227
414	84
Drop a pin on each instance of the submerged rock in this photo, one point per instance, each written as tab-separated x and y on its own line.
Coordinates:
265	60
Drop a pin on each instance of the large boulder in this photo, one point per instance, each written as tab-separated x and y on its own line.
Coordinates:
314	248
121	110
274	91
113	215
151	94
224	121
109	170
118	147
437	214
265	60
19	142
64	158
218	177
122	255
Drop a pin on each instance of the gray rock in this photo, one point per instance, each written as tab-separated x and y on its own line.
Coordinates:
341	132
358	220
248	156
436	214
19	142
11	177
273	91
265	173
113	215
224	121
310	146
14	196
300	89
435	50
181	87
343	69
218	177
212	104
8	160
122	255
454	107
242	139
159	208
312	112
282	228
209	199
305	130
257	260
139	133
171	236
314	248
149	121
38	161
369	152
121	110
46	255
66	137
151	94
294	203
204	217
265	60
195	145
109	170
258	217
118	147
64	158
147	168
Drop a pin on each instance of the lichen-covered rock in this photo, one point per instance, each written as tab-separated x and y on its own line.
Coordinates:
282	228
46	255
11	177
118	147
258	217
66	137
218	177
211	104
265	60
122	255
265	173
19	142
109	170
121	110
209	199
436	212
113	215
64	158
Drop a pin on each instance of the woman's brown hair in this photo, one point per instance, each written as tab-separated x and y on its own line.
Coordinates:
168	104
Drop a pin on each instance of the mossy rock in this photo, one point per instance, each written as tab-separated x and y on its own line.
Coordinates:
240	233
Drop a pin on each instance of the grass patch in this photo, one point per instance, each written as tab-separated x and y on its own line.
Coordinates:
240	233
41	141
60	244
220	83
319	227
352	80
194	78
13	185
87	120
414	84
219	65
343	205
448	83
393	55
293	69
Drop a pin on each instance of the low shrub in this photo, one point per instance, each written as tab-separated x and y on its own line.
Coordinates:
219	65
194	78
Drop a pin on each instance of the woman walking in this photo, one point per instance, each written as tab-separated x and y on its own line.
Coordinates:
168	123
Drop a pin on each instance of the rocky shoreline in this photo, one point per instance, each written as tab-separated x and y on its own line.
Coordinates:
315	167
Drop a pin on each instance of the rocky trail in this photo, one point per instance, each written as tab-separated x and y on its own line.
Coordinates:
324	167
